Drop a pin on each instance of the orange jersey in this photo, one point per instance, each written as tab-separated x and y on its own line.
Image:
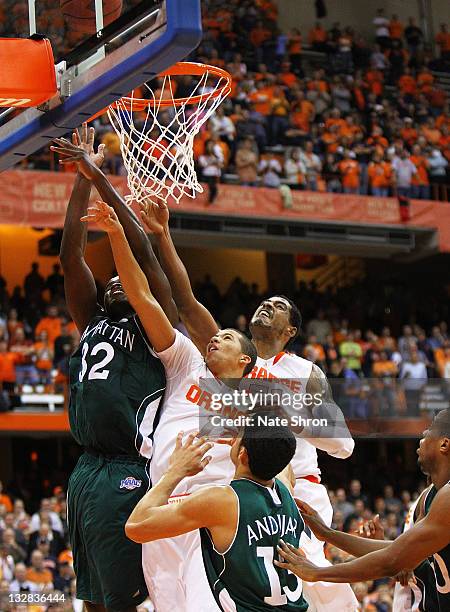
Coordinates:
375	81
7	367
395	29
443	41
379	174
258	36
407	84
421	178
52	325
443	120
409	135
317	35
261	99
295	45
350	170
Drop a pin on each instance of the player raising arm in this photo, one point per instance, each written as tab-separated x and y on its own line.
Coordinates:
79	284
429	537
239	523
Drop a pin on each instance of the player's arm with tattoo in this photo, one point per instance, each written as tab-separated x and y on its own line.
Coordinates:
153	518
198	320
336	440
136	236
405	553
79	283
157	326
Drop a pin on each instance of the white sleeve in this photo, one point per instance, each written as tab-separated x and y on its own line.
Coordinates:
181	356
341	448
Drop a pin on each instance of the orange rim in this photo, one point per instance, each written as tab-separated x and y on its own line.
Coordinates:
178	69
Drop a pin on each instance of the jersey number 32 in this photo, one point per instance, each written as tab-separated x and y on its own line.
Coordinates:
97	370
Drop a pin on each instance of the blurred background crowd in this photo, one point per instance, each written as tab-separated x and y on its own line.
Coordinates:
325	109
35	556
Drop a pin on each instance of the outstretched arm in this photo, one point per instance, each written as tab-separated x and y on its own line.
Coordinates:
336	440
406	552
79	283
136	236
153	518
157	326
198	320
352	544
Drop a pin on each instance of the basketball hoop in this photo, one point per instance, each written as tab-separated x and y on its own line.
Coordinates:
157	134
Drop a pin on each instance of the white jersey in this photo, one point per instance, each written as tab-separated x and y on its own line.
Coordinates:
185	367
297	371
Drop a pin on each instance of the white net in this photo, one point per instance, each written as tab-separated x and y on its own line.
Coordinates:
157	143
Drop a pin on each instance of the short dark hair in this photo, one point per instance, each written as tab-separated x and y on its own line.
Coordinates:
269	449
248	348
441	423
295	317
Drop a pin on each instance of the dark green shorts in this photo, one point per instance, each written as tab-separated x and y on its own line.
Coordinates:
101	494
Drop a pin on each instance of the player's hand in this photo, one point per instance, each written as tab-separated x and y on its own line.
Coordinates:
155	217
294	560
313	520
189	458
405	577
372	529
104	216
82	154
85	140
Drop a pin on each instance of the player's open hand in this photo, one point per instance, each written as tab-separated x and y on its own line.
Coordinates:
85	140
294	560
189	458
372	529
155	217
313	520
80	152
103	216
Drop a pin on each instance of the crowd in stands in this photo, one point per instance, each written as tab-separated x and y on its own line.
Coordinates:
345	331
35	556
369	117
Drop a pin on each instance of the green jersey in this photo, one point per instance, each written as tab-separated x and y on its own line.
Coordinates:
244	578
116	386
441	562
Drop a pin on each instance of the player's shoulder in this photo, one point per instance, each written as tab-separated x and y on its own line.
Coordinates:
440	506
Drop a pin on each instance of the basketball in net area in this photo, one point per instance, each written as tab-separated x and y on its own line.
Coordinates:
157	134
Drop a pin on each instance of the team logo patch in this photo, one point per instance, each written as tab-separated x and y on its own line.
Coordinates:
130	483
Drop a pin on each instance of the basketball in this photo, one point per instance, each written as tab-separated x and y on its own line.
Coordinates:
80	14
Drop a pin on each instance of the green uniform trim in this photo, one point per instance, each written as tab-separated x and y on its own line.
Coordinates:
244	578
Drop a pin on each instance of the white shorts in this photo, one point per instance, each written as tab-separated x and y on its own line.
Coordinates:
321	596
175	575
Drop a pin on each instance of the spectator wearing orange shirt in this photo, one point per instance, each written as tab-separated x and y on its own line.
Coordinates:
408	132
295	50
425	80
350	171
374	79
51	324
317	38
5	499
395	28
8	362
443	41
279	112
302	112
259	37
37	573
420	183
13	324
407	84
431	132
383	367
379	178
44	357
287	77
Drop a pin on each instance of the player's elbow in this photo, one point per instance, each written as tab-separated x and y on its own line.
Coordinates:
135	533
347	448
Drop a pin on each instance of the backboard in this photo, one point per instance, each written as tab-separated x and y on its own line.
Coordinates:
97	69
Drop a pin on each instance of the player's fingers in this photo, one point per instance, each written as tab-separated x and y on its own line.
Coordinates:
191	437
101	149
204	462
179	440
91	135
84	133
286	554
303	506
229	441
205	448
281	564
